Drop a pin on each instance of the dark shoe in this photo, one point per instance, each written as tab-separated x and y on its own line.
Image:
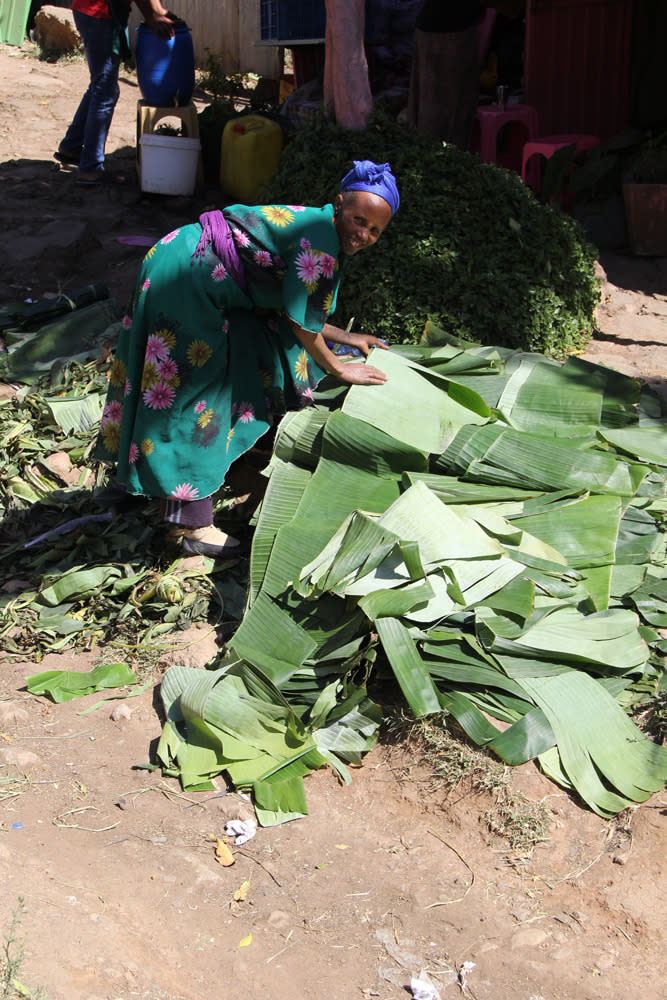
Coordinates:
64	156
207	542
100	178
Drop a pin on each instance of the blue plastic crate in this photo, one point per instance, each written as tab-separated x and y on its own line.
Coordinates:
292	20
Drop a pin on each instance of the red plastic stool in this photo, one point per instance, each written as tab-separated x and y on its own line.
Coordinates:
546	146
488	122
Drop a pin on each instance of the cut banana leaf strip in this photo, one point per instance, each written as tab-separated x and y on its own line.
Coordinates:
543	401
441	532
399	601
435	336
583	530
450	664
597	582
520	742
450	361
452	490
603	754
269	638
646	444
350	735
279	801
518	373
526	739
398	406
77	414
447	598
299	436
515	600
365	445
77	584
63	685
639	540
411	555
550	764
473	722
650	600
477	580
283	495
357	548
605	641
408	667
625	580
497	454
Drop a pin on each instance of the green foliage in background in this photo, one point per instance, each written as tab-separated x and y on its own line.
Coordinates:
470	245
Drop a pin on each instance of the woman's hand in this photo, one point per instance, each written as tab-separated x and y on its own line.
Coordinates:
361	342
358	373
364	341
350	372
157	17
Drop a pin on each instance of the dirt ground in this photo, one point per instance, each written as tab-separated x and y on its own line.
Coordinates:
123	896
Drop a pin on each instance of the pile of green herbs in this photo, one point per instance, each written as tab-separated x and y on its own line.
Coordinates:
470	245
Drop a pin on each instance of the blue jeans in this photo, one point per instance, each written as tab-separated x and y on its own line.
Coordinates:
90	125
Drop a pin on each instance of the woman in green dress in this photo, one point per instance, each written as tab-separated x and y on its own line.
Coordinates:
229	331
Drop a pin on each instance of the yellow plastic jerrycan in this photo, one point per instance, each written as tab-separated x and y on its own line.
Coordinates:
249	154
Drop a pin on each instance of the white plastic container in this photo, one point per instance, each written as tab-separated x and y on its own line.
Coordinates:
168	164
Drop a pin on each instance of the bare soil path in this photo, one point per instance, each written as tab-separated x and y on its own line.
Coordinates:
393	875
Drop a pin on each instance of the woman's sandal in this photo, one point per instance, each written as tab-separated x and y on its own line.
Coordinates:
207	541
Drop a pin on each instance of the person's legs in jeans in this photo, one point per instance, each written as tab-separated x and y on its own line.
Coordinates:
92	120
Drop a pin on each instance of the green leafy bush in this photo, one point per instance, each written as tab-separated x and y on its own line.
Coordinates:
470	246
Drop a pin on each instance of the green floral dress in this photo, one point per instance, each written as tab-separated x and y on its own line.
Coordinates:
203	368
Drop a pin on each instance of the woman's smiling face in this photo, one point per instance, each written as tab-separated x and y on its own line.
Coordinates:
360	218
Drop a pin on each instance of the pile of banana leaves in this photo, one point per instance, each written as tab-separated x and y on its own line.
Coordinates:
486	530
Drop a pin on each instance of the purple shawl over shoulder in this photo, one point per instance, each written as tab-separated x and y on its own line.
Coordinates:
215	233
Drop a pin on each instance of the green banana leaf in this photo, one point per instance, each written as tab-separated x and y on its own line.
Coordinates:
77	336
605	757
63	685
77	414
391	407
646	444
78	583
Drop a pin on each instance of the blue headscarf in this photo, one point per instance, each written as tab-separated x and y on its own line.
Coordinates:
374	177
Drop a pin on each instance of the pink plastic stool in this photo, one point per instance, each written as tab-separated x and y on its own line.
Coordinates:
489	121
546	146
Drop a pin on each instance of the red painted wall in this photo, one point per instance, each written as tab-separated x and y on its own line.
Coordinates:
577	64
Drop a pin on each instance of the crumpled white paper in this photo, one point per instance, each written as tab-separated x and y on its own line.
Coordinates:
242	830
463	972
422	988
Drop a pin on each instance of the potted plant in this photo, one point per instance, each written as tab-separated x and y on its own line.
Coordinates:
645	199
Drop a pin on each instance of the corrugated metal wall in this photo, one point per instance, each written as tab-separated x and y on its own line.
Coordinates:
577	64
229	29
